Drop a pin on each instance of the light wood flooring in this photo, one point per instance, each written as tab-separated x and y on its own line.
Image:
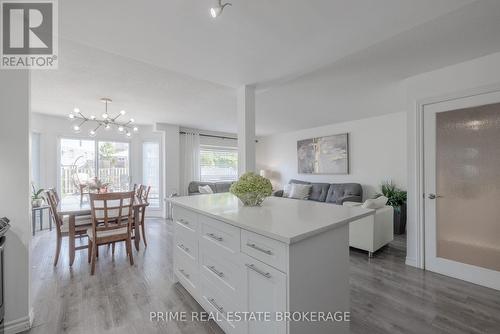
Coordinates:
386	295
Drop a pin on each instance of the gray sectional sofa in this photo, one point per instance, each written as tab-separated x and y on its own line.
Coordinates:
217	187
336	193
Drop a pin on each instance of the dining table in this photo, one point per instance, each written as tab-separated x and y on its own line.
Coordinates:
74	208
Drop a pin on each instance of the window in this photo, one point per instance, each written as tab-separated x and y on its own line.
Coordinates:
151	171
77	164
82	160
114	165
218	163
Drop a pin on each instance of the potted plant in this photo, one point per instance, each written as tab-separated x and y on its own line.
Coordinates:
36	196
397	199
252	189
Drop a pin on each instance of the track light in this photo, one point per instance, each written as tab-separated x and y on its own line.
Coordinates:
216	11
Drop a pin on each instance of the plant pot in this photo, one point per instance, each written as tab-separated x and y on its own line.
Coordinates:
400	219
36	203
252	199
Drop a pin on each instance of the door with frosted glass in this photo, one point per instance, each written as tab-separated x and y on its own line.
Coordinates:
462	188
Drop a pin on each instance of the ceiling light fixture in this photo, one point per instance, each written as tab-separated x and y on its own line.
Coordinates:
216	11
107	121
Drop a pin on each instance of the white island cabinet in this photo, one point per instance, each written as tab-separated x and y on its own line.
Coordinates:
282	268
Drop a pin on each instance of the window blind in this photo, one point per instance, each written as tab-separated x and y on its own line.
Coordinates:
218	163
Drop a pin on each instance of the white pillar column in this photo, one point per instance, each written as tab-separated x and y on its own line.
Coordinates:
246	129
170	160
15	198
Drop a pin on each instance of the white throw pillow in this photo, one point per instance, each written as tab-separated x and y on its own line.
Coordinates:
375	203
286	190
205	189
300	191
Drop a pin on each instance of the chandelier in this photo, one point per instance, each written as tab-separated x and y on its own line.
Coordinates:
107	122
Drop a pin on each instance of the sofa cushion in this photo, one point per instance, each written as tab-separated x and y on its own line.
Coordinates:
205	189
300	191
223	187
339	190
375	203
319	191
287	189
193	186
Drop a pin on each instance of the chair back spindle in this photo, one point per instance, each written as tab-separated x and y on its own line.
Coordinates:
53	201
111	211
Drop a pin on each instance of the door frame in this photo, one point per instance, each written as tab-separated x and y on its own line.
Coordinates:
418	201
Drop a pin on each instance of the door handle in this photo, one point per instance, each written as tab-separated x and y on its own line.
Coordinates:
433	196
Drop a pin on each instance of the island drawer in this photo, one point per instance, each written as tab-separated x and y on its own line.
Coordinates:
186	243
186	272
185	218
222	270
269	251
217	302
224	235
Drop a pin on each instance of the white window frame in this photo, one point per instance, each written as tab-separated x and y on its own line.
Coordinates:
159	170
221	147
160	211
96	152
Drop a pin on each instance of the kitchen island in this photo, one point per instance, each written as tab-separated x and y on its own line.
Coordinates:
279	268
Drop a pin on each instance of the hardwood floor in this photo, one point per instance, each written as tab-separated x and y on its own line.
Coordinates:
386	295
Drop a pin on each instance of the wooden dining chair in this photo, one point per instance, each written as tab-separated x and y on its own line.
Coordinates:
111	222
138	188
63	228
144	196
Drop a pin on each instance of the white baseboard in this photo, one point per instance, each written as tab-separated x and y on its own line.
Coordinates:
411	262
19	325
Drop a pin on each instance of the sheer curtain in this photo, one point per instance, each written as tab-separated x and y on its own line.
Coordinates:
190	159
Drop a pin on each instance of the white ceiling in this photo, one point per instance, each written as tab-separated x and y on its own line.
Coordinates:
168	61
254	41
149	94
369	83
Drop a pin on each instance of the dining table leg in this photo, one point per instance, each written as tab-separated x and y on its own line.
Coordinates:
71	240
137	233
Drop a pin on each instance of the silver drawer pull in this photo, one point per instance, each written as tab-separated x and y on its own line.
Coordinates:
254	246
184	222
214	304
215	271
184	273
184	248
213	236
251	266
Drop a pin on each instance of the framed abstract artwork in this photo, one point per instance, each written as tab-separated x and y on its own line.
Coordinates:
324	155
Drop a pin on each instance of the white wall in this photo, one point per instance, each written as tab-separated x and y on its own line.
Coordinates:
457	80
214	141
15	195
52	128
377	148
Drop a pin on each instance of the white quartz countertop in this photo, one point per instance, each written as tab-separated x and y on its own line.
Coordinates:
283	219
